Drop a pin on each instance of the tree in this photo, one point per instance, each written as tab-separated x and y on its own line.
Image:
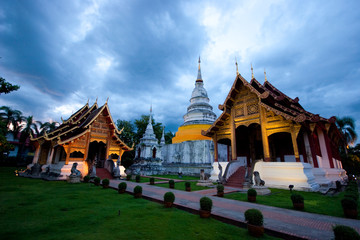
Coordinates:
6	87
41	128
128	131
141	125
12	118
346	126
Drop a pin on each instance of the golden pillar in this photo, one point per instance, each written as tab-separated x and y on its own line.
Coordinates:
294	132
265	140
233	135
215	148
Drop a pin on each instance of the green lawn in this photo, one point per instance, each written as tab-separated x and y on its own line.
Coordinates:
314	202
176	177
147	180
37	209
181	186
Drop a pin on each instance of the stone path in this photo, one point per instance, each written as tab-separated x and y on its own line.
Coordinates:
284	223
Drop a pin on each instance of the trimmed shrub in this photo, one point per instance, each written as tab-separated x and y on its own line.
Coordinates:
220	188
187	184
152	181
348	203
297	198
169	197
86	179
254	217
352	194
128	177
251	192
122	185
97	180
137	189
205	204
342	232
105	182
137	178
171	182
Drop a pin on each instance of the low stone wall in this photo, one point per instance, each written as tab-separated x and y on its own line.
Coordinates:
187	169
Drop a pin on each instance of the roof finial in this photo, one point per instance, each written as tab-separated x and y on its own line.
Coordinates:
96	100
199	78
107	100
87	102
150	120
237	69
252	72
265	75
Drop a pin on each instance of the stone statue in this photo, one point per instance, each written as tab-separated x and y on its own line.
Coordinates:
74	171
202	174
221	178
257	179
116	172
93	169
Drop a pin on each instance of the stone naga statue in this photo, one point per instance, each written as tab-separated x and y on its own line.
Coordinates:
221	178
257	179
74	171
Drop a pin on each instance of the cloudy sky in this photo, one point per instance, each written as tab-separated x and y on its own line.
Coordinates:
64	52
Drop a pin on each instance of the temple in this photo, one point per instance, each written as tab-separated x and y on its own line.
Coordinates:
88	137
273	134
199	114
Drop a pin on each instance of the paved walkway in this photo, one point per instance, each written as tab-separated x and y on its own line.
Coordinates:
284	223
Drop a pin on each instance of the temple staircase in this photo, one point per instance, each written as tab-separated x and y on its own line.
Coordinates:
103	173
237	179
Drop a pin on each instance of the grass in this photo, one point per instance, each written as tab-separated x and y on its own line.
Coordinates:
181	186
185	178
314	202
146	180
37	209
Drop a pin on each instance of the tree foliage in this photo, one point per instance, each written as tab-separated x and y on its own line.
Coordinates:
6	87
346	126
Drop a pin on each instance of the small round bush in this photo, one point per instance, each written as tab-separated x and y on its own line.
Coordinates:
297	198
137	189
187	184
220	188
128	177
137	178
252	192
152	180
86	178
254	217
171	182
97	180
352	194
348	203
205	204
169	197
122	185
344	232
105	182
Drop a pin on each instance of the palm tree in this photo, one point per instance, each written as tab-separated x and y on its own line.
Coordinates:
346	126
27	127
45	127
12	118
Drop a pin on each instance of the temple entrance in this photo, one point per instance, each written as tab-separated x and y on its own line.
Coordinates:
60	154
249	143
281	147
227	154
45	149
97	152
154	153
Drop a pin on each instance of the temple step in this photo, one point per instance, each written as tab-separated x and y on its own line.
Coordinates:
237	179
103	173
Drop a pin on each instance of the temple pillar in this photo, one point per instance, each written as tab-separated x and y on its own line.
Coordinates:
87	143
295	146
323	149
265	140
37	154
50	156
233	136
328	148
67	155
215	148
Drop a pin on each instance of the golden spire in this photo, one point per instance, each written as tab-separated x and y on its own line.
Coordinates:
237	69
199	78
252	72
265	75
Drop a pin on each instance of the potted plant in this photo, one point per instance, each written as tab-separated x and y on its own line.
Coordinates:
128	177
349	207
105	183
344	232
169	199
97	181
137	178
171	184
86	179
138	191
251	194
298	201
122	187
205	207
188	186
255	220
220	190
152	181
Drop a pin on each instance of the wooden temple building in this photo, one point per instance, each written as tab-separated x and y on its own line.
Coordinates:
289	145
89	135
